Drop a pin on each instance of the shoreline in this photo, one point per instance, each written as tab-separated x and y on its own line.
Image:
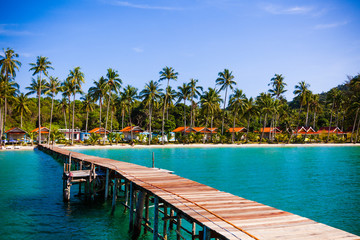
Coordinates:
195	145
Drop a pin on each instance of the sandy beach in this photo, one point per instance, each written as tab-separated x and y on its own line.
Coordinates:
127	146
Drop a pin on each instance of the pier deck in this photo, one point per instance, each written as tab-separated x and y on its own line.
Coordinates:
226	215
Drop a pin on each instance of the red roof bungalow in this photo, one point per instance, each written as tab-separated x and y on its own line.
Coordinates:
99	131
305	130
15	134
237	130
332	130
195	130
131	129
44	132
268	130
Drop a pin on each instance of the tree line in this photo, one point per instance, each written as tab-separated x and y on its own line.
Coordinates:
160	108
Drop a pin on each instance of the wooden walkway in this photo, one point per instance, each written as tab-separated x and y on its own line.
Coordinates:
230	216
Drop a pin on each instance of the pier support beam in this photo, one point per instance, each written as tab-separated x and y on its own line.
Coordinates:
107	184
156	218
131	207
114	196
139	214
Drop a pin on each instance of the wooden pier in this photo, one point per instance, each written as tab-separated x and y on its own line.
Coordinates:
187	208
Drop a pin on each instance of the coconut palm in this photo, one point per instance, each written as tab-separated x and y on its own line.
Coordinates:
88	106
75	78
315	106
266	104
8	67
8	90
22	103
40	67
237	102
332	96
98	92
183	95
225	80
130	94
195	92
210	102
37	87
112	85
52	89
121	103
150	94
278	85
167	73
63	105
250	110
170	96
300	91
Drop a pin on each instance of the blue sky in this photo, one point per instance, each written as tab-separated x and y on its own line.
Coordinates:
314	41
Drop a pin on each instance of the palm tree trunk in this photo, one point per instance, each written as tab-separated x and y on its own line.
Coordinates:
100	103
353	129
247	130
107	116
150	113
111	120
87	120
314	119
1	125
64	112
184	118
163	116
233	132
211	124
73	122
21	118
191	113
331	115
70	136
51	114
262	134
222	125
39	123
307	115
122	119
206	124
5	111
357	131
131	128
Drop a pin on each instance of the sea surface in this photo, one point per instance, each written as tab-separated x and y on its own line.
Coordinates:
321	183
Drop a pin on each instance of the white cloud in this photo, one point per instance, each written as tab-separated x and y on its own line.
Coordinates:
330	25
279	10
138	50
6	30
142	6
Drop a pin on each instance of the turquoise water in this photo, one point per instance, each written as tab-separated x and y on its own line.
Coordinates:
321	183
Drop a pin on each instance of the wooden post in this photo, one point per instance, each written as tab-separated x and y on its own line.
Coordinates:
165	222
178	226
153	160
126	195
107	184
131	207
69	162
171	223
114	196
146	213
156	218
193	231
206	235
80	168
139	214
92	174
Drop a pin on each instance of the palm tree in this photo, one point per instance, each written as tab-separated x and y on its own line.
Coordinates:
278	85
301	92
237	102
88	106
315	105
250	110
184	94
38	87
52	89
167	73
40	67
121	103
210	102
76	78
8	90
8	67
308	97
332	95
194	93
130	94
112	84
225	80
63	104
22	103
150	94
98	92
266	104
170	96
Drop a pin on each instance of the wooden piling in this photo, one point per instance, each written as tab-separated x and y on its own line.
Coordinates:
131	207
165	222
114	196
206	233
156	218
107	184
146	213
178	227
139	214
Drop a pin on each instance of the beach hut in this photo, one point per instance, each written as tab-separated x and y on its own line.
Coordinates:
305	130
134	130
333	130
206	131
99	131
269	131
16	134
44	133
67	134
